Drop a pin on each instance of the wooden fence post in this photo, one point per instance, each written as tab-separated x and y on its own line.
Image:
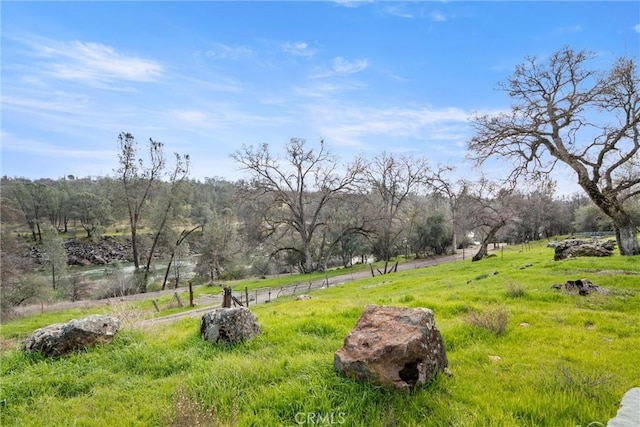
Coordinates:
190	294
175	295
226	298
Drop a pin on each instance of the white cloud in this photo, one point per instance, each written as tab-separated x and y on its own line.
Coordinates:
191	116
343	66
223	51
21	145
400	12
569	30
57	102
438	16
327	89
637	28
357	126
96	62
298	49
352	3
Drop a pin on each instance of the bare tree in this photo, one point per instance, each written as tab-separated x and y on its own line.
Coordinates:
564	112
489	208
391	179
302	185
175	249
137	181
176	179
55	255
454	192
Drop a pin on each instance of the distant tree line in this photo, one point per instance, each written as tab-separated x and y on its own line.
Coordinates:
304	210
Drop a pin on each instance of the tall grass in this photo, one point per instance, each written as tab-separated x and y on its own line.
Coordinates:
569	365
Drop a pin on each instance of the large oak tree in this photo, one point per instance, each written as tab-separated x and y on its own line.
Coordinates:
567	112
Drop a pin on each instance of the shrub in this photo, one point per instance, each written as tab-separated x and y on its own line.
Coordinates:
515	290
493	320
190	412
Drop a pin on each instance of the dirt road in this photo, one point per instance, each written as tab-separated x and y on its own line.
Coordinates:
261	296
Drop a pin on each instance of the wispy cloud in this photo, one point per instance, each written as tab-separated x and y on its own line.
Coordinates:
232	52
357	126
220	116
637	28
298	49
21	145
327	89
352	3
344	67
437	16
571	29
399	11
92	62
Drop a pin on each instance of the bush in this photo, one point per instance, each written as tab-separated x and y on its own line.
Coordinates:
493	320
515	290
190	412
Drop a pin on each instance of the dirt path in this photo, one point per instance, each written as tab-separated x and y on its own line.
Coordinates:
261	296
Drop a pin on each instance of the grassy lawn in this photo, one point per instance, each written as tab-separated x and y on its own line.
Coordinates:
562	360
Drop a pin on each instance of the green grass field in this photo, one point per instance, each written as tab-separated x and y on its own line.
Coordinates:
562	360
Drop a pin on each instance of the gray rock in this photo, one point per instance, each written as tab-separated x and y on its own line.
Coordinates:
229	325
397	347
581	287
629	413
572	248
63	338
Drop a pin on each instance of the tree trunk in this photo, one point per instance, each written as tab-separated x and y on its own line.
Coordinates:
482	252
627	239
134	247
454	243
166	273
32	227
308	261
626	230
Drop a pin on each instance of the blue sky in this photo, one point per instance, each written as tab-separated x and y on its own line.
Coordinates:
206	77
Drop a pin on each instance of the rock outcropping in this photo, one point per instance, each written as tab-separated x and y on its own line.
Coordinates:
63	338
105	250
572	248
229	325
397	347
581	287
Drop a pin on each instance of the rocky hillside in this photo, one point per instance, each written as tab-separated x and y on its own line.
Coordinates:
86	252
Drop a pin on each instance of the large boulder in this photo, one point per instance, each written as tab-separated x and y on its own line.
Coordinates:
229	325
63	338
629	412
572	248
397	347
